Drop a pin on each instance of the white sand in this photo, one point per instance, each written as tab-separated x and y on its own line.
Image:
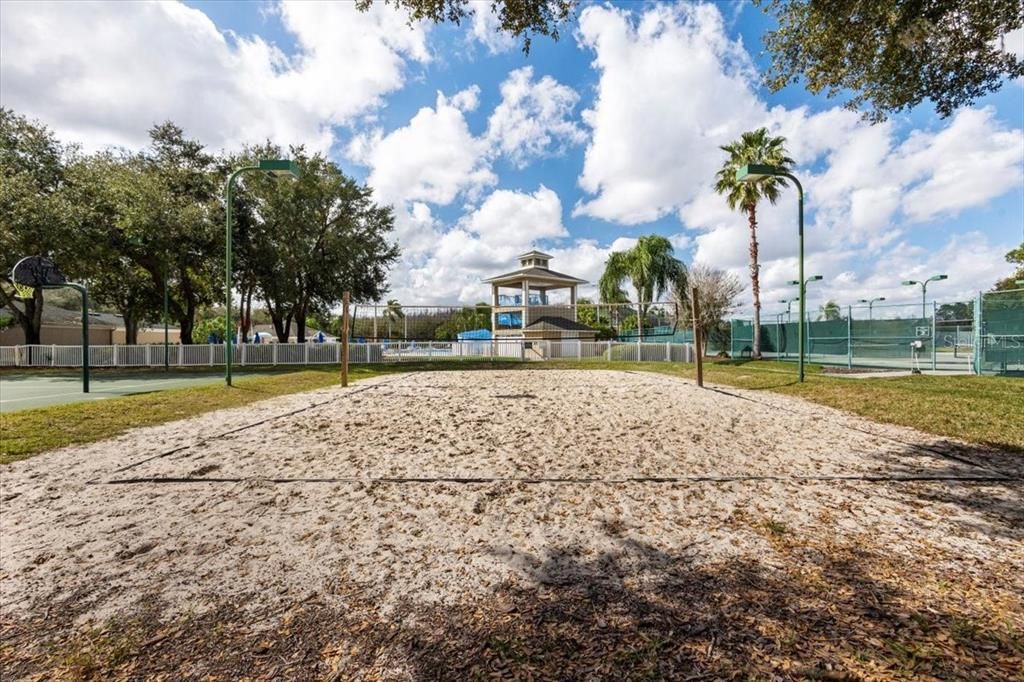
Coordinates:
68	533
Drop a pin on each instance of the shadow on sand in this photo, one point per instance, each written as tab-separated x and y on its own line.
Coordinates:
807	610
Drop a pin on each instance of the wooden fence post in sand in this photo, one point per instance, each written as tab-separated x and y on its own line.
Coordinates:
698	335
344	339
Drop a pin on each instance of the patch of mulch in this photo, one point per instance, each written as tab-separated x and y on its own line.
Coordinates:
814	610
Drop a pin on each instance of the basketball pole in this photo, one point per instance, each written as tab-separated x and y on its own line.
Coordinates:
166	361
344	339
81	289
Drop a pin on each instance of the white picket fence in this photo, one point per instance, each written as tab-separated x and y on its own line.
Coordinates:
273	354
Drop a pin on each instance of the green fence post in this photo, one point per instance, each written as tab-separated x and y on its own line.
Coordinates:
849	337
778	337
977	332
934	314
808	339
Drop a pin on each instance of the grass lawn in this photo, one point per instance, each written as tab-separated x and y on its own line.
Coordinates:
983	410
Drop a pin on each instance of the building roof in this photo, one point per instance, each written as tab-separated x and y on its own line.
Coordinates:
535	254
61	316
535	273
554	323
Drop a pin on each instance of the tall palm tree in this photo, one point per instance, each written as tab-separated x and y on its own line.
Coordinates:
755	146
651	268
392	313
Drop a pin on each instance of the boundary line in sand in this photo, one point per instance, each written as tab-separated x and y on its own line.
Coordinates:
867	478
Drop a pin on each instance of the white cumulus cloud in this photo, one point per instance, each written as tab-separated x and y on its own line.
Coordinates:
434	158
486	29
104	73
534	118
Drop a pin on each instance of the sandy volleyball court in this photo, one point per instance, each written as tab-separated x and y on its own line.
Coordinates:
445	524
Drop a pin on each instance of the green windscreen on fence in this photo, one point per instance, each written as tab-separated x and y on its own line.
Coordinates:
985	335
1000	341
893	336
837	340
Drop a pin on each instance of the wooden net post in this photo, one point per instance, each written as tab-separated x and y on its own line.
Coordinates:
698	335
344	339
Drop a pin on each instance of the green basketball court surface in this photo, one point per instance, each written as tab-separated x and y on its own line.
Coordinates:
25	390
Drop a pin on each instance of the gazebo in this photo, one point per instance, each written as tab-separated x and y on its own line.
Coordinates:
527	313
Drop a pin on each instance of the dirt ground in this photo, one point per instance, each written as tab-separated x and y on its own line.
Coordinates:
535	524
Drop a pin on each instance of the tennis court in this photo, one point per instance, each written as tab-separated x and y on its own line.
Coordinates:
25	390
437	525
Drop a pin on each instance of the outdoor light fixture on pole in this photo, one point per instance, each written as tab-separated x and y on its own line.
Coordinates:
924	288
789	303
871	302
273	167
803	311
758	171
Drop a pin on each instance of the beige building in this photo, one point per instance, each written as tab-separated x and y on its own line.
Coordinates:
62	327
524	311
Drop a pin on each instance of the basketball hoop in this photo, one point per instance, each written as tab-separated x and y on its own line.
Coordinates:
40	272
24	291
36	271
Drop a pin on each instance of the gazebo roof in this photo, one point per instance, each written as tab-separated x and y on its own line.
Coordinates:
554	323
535	269
536	274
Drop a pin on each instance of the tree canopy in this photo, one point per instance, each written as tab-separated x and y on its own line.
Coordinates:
1015	256
303	243
890	55
130	223
33	215
520	18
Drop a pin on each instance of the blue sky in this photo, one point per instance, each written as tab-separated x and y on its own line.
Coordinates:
577	148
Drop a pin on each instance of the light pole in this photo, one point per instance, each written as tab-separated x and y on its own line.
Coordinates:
756	171
803	289
870	302
789	303
273	167
802	322
924	289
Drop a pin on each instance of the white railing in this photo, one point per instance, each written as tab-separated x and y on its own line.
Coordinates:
252	354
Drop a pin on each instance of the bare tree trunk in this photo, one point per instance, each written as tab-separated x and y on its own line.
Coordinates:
247	314
300	325
131	329
639	313
755	281
279	329
186	321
